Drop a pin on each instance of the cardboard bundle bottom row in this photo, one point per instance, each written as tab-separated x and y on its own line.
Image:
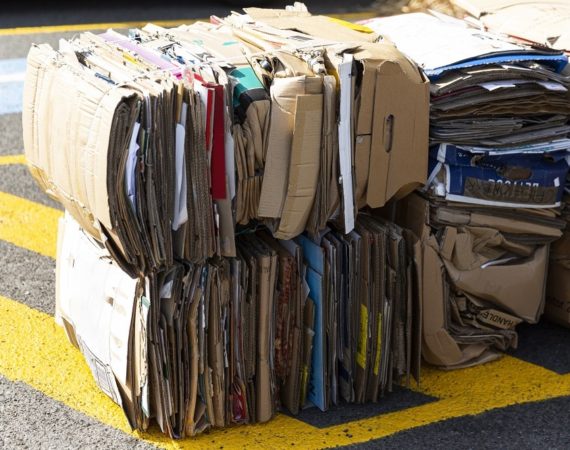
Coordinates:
284	325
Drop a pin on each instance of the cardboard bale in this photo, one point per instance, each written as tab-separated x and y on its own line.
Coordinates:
212	176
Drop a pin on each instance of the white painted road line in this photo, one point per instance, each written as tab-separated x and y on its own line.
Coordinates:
12	73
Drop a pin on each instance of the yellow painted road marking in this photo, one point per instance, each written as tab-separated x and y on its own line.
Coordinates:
35	350
138	24
89	26
506	382
12	159
28	224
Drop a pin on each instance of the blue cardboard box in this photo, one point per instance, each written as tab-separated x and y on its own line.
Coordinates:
511	180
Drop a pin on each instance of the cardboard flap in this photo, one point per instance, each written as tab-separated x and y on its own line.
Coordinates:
284	93
304	165
560	250
398	159
369	57
438	347
515	287
448	243
412	212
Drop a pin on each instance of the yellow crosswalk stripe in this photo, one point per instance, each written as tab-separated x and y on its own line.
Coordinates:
506	382
88	26
28	224
12	159
35	350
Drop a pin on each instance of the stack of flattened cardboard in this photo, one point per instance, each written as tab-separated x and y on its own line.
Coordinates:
498	164
212	267
545	24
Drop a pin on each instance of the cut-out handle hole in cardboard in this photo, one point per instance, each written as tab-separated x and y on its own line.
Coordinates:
388	132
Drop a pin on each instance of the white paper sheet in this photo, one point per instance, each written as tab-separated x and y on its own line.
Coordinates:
345	141
181	183
550	85
434	43
131	167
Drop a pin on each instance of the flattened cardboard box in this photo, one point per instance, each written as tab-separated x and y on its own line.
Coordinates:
97	304
438	345
523	181
546	22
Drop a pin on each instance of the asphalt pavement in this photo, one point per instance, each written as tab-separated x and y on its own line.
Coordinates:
50	12
49	400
